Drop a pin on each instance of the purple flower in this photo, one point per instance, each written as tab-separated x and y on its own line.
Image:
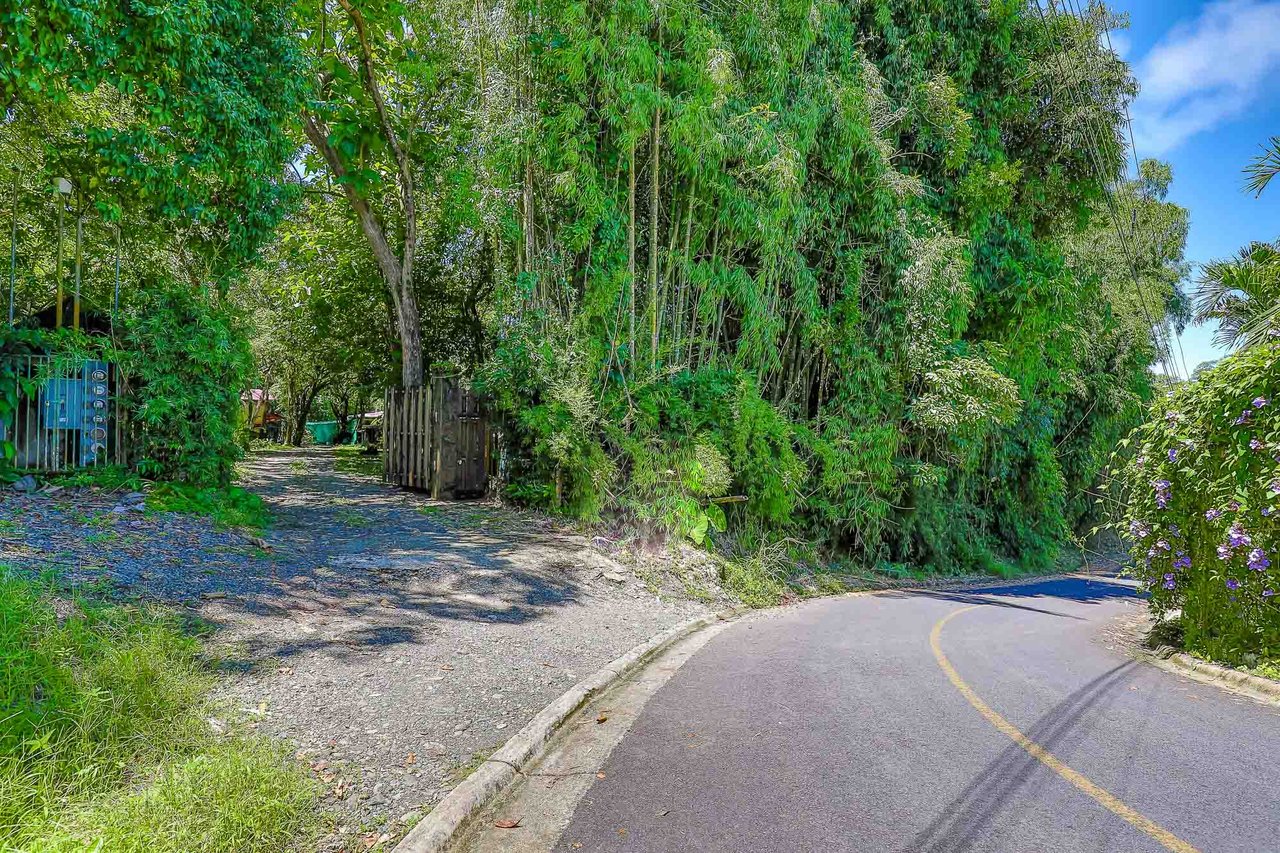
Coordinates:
1237	538
1162	500
1141	460
1212	514
1267	593
1172	417
1139	529
1244	417
1162	545
1173	453
1266	511
1224	553
1259	402
1233	584
1274	488
1174	531
1169	584
1183	561
1233	506
1256	444
1258	560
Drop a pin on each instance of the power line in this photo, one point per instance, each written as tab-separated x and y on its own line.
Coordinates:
1093	150
1137	167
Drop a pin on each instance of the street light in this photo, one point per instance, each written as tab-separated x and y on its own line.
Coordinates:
63	187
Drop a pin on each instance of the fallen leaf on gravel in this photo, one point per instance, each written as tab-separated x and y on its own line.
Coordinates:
446	667
577	845
260	542
507	823
411	758
285	670
600	775
664	812
603	718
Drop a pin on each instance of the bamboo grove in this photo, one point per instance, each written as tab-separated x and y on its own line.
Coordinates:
802	268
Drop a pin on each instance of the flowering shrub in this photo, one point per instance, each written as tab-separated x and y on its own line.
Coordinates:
1200	498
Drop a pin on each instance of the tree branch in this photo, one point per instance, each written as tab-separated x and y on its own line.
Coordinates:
393	141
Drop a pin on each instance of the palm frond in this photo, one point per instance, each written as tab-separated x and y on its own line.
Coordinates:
1264	167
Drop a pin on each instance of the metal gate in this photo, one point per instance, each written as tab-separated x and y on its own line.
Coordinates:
64	413
436	439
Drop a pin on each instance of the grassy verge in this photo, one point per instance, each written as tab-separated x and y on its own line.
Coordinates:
106	743
354	459
227	507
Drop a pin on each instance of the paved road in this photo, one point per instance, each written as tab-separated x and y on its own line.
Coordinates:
1010	720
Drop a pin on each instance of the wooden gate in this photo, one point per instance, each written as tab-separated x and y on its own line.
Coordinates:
436	440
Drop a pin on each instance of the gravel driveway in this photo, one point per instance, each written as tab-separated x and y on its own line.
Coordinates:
394	640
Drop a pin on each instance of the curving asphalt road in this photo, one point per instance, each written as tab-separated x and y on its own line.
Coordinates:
1007	720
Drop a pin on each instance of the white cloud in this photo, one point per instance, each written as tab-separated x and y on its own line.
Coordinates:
1206	71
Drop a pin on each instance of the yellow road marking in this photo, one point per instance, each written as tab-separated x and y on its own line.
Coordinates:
1106	799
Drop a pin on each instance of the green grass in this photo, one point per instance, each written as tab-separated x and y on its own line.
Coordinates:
104	743
229	507
353	459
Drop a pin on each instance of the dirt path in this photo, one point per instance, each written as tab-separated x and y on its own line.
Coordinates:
394	641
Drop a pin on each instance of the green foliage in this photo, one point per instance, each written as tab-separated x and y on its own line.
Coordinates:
179	114
1198	492
226	506
855	250
186	359
1242	295
104	739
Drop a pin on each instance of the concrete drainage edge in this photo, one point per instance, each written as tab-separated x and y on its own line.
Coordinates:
1254	686
451	815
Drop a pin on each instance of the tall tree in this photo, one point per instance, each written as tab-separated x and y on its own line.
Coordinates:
385	125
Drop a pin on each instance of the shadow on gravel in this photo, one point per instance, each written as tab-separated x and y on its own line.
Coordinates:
964	822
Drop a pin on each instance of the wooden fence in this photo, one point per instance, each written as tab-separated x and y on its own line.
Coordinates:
436	440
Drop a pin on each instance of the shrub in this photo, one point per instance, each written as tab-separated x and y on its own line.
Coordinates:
187	359
1200	493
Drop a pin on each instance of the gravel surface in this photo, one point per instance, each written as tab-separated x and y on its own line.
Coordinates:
395	641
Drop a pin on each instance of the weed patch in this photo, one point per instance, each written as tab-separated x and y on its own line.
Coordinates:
104	743
227	507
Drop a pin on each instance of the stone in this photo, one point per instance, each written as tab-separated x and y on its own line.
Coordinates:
26	483
615	577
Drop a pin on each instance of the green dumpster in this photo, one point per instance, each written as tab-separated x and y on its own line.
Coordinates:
323	432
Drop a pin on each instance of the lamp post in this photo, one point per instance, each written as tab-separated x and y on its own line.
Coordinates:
63	187
75	309
13	248
115	299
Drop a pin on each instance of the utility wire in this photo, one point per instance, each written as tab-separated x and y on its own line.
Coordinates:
1137	166
1133	233
1093	150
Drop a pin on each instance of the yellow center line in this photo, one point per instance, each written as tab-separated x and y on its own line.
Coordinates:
1105	798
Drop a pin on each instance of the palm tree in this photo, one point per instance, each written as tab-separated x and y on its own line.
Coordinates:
1243	295
1264	167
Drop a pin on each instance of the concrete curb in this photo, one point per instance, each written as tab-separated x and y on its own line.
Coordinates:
1253	686
437	831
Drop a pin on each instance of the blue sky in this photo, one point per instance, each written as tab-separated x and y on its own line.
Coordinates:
1210	76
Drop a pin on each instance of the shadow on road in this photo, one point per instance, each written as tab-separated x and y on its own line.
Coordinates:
965	820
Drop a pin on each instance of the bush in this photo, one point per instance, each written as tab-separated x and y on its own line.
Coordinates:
1201	494
104	739
187	359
